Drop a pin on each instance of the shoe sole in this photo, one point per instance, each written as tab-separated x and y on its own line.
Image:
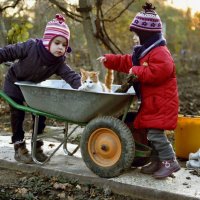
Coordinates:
149	172
143	172
168	175
21	161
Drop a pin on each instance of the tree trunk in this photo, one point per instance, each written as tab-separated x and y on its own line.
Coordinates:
85	9
3	32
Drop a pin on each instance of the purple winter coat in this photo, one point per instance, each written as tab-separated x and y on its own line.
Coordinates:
35	63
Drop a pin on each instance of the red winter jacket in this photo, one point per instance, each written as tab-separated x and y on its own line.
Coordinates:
159	93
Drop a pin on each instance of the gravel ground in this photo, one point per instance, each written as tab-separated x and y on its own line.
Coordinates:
30	186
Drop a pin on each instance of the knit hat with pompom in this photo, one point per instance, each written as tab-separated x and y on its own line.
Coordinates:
54	28
147	20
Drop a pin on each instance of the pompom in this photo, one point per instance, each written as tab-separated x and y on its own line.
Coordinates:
69	50
148	7
60	18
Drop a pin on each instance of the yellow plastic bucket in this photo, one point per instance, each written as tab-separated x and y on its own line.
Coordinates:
187	135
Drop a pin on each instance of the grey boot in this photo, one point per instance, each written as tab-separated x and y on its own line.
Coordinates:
40	156
21	153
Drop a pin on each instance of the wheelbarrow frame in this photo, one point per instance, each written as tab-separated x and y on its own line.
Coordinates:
34	137
37	113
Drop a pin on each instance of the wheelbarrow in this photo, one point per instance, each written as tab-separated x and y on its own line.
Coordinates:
107	144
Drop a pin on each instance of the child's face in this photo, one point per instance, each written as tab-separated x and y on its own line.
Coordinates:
136	39
58	46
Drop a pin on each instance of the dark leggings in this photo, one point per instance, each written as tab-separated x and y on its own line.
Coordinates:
17	119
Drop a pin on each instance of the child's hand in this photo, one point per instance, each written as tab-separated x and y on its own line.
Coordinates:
102	59
130	71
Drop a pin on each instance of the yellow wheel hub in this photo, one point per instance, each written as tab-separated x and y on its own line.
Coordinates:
104	147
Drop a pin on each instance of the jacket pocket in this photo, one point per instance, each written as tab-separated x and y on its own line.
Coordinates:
152	105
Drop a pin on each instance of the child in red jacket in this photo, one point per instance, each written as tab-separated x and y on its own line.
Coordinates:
156	86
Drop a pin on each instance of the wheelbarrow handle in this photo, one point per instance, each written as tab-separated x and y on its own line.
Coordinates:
26	108
130	79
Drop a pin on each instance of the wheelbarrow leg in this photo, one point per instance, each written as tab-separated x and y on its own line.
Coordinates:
34	139
34	142
127	109
66	136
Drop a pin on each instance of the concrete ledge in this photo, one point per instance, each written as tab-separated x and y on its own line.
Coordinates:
132	183
133	191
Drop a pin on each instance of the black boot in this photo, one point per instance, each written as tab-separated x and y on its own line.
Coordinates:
40	156
21	153
154	163
152	167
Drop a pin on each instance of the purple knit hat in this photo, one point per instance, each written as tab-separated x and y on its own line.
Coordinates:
147	20
54	28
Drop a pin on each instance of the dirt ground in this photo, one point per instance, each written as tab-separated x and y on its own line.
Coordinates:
29	186
18	185
189	93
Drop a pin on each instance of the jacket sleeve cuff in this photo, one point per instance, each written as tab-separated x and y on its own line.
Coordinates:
109	61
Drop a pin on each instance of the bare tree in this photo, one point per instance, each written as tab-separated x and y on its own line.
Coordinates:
88	22
93	17
3	7
94	26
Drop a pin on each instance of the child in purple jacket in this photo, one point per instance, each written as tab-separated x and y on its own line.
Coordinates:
37	60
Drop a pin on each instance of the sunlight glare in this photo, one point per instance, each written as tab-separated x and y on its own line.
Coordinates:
185	4
30	3
73	2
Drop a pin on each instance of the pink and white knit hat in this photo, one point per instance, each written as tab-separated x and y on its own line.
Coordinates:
54	28
147	20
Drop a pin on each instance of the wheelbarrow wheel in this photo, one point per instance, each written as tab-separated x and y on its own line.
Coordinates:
107	146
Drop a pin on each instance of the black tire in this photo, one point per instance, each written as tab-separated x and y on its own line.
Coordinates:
124	157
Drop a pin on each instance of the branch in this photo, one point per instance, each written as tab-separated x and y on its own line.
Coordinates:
101	32
12	6
109	39
73	16
111	8
122	11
